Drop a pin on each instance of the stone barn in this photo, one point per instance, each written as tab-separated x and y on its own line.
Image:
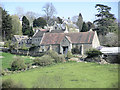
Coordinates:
63	42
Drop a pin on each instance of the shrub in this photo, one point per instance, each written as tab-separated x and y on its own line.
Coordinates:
3	72
18	64
93	53
61	58
9	83
69	55
7	44
44	60
57	58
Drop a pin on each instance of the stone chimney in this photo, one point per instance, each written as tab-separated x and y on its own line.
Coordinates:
90	30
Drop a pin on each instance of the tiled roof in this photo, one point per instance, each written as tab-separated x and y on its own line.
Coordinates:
52	38
57	31
56	38
39	34
81	37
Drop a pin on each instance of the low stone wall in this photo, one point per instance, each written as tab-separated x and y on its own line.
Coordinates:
25	52
20	52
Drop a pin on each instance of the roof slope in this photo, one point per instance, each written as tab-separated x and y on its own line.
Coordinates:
20	37
81	37
56	38
57	31
52	38
39	34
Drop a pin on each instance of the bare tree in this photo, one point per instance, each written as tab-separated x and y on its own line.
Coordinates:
20	12
75	19
31	16
50	11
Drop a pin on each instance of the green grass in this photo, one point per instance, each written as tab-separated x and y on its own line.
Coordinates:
8	58
69	75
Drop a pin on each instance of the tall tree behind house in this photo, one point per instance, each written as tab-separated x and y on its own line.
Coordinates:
84	27
80	21
16	25
26	29
6	25
105	20
39	22
50	11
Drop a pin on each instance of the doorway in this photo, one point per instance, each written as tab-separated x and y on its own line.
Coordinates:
65	49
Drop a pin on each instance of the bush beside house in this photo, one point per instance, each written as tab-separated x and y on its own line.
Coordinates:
69	55
93	55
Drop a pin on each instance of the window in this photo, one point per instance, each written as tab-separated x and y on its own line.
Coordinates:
42	50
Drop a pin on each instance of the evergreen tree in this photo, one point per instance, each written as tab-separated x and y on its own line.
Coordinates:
6	25
0	24
39	22
59	20
90	25
106	21
26	29
84	27
80	22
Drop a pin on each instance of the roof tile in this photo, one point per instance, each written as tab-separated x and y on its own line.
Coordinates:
56	38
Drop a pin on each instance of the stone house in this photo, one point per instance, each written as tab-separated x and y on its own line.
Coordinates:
63	42
60	41
67	24
21	39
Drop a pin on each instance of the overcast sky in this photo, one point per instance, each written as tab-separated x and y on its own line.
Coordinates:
64	9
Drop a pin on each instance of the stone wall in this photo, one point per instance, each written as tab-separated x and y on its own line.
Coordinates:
56	48
86	47
83	47
95	42
48	47
65	42
36	41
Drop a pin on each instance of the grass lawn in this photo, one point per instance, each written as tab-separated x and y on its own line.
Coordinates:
69	75
8	58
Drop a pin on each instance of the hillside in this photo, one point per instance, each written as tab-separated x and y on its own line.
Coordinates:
69	75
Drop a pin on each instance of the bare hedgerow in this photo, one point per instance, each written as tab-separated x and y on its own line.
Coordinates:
57	58
44	60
